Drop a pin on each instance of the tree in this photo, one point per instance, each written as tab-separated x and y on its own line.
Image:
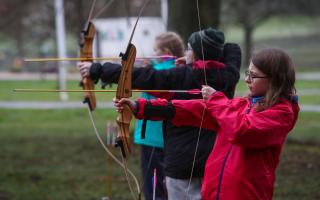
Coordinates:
252	13
249	14
25	27
183	16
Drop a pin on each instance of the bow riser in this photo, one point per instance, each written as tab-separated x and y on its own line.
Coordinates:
125	79
124	90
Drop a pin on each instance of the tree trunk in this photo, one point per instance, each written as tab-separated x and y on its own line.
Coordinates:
18	36
81	19
248	32
183	16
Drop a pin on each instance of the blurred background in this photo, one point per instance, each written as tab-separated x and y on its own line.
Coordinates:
47	145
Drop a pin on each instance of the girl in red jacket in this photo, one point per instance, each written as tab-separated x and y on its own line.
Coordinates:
251	131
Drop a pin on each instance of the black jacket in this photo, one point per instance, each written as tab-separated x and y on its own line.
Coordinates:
180	142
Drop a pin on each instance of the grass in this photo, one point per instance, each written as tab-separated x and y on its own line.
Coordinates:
55	155
307	128
298	174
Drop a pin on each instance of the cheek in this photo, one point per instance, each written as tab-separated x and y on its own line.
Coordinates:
189	57
260	88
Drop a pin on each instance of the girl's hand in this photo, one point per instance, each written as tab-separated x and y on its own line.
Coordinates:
84	68
207	91
119	104
180	61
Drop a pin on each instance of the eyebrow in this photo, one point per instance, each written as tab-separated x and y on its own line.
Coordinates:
253	72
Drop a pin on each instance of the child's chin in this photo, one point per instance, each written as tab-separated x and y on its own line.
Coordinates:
250	93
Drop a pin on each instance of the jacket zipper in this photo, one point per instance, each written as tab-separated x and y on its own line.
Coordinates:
225	161
249	108
221	172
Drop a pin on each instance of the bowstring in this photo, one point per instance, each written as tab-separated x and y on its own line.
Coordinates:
123	165
203	112
105	7
91	10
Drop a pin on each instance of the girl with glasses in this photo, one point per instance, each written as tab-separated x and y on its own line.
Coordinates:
251	131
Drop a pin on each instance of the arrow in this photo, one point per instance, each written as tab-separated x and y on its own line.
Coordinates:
192	91
91	59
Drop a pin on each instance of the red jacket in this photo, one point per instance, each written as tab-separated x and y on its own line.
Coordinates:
246	154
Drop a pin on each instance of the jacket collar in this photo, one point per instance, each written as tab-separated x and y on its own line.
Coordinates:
208	64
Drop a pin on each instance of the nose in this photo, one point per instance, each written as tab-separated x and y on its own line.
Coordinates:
247	79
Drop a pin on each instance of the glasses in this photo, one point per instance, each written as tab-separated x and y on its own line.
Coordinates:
251	77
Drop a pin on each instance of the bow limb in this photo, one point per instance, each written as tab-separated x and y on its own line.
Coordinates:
86	44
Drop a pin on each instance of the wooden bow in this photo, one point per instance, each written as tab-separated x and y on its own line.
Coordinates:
124	90
86	44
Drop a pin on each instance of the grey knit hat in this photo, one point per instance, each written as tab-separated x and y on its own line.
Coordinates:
212	41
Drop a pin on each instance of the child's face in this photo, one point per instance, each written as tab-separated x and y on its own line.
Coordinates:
257	82
156	50
189	55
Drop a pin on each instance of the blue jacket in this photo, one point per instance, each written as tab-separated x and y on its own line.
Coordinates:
153	131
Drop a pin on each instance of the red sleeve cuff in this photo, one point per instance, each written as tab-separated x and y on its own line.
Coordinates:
140	108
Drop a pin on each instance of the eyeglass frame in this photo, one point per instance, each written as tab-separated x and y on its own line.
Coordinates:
251	77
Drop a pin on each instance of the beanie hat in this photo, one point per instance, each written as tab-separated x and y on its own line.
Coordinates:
212	41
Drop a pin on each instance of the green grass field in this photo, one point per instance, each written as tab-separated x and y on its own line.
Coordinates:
55	155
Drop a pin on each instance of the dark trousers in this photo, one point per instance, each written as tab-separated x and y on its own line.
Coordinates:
152	158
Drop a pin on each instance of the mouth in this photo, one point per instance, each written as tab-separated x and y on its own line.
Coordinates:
250	88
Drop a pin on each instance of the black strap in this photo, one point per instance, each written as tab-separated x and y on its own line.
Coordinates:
143	129
144	125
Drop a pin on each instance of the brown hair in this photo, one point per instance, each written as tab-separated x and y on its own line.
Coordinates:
171	43
279	68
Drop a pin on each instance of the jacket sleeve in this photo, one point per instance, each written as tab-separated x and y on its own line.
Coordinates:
154	109
107	73
193	113
180	112
255	129
144	77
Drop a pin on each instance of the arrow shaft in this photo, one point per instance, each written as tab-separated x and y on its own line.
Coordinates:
91	59
137	90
